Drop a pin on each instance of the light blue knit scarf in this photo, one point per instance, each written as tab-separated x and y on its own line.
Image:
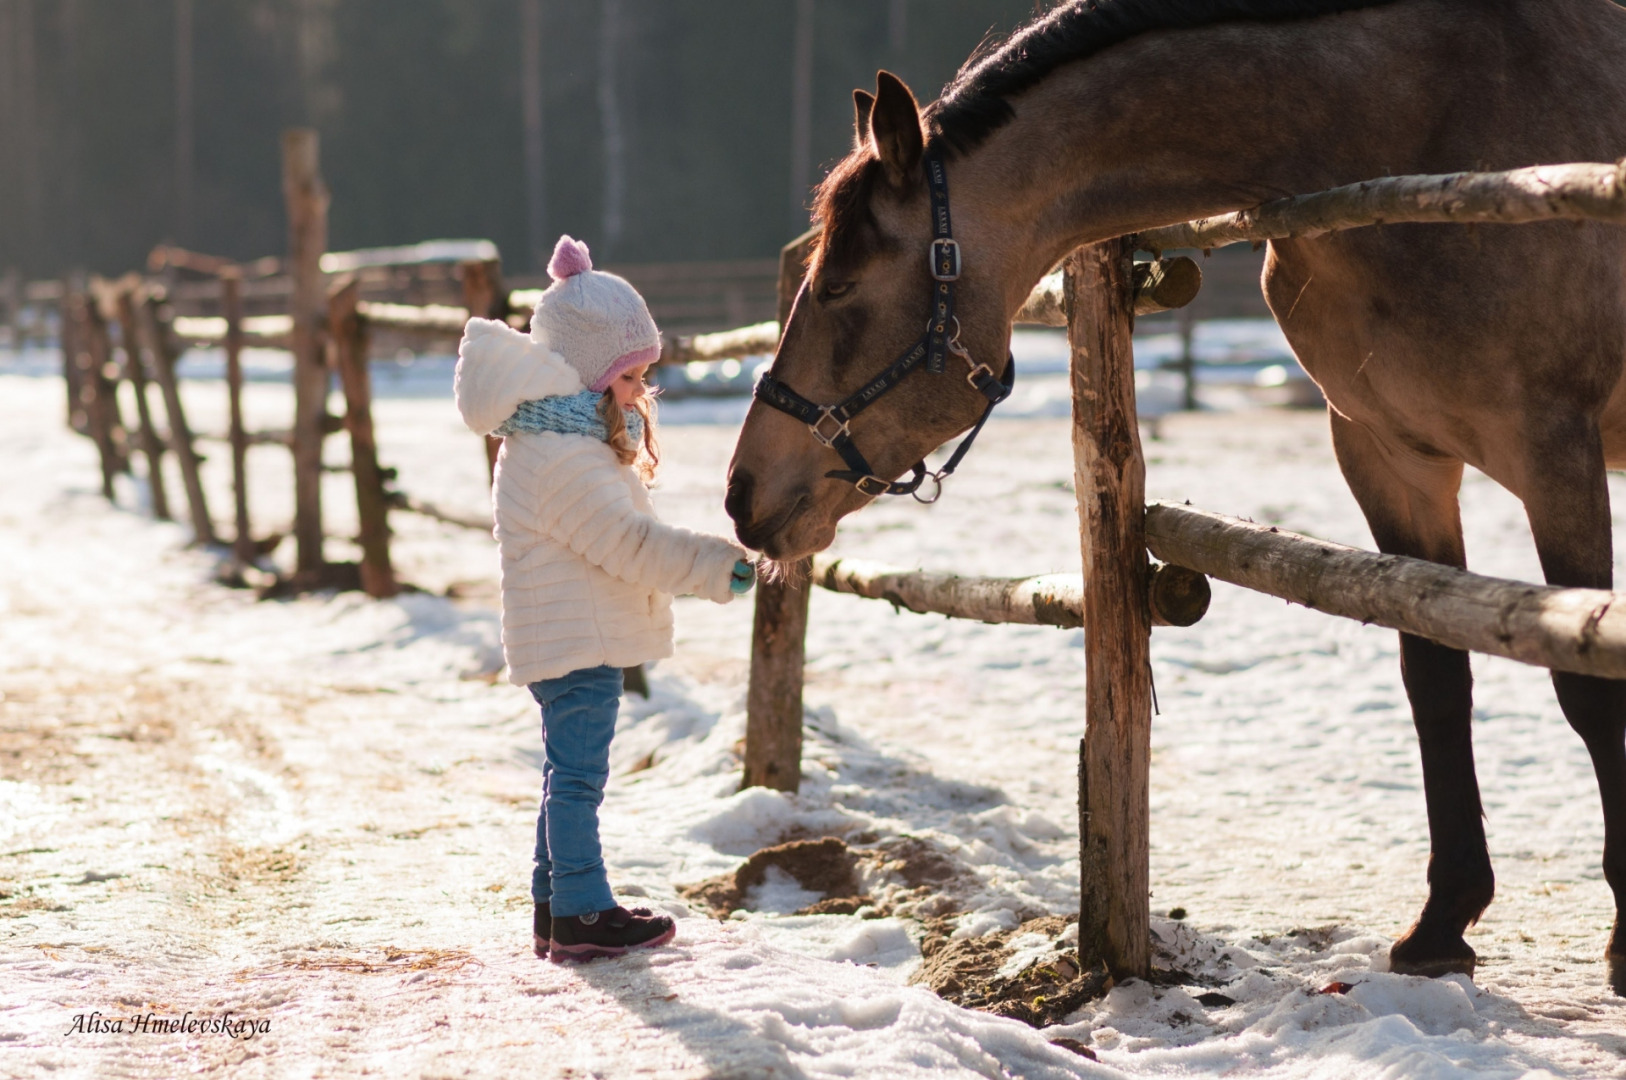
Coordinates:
576	414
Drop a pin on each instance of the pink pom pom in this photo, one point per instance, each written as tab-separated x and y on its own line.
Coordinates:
570	258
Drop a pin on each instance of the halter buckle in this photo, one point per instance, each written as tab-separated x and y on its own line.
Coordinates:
944	259
871	485
979	376
828	412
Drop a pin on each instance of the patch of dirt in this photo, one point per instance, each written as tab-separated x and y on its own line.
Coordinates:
931	881
826	866
965	971
921	863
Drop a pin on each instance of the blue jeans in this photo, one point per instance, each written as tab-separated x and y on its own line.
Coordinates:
578	721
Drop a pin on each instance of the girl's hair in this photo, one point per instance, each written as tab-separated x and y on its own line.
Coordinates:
647	456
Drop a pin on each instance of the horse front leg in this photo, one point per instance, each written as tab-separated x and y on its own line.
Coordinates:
1569	517
1410	503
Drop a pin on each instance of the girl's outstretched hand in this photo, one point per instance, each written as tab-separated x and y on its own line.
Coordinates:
743	577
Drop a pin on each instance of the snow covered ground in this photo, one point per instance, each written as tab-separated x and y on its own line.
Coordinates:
316	815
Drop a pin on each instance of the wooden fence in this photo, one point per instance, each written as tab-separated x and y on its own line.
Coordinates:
1117	598
332	310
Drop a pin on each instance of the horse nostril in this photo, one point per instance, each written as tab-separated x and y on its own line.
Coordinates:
738	499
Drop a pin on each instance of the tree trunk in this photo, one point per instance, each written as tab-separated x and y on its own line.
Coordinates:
307	203
612	130
183	121
530	90
1110	478
801	116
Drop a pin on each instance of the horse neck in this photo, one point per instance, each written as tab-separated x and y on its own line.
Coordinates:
1177	125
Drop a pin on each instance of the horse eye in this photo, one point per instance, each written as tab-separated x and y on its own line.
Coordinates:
833	289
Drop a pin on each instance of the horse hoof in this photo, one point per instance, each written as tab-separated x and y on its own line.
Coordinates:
1617	974
1407	957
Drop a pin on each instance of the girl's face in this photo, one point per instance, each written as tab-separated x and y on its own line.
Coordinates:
629	386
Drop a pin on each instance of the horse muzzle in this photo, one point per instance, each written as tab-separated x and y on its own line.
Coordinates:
776	527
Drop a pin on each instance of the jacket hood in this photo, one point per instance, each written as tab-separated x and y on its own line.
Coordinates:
498	367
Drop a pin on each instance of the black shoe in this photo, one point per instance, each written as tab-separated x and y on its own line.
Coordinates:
541	929
608	933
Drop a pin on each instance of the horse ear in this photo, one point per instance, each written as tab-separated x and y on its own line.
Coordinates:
863	103
894	129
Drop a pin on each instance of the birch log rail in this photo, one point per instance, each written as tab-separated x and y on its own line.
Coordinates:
1178	596
1579	630
1584	191
758	339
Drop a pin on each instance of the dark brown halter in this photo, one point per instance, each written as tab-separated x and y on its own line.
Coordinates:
828	423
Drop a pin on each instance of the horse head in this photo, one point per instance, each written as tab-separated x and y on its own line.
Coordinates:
870	291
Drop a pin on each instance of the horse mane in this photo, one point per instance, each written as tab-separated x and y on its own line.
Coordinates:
976	102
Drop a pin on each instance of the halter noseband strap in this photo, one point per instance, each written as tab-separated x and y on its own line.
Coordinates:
829	423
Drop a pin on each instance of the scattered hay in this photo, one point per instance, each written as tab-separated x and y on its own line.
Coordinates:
261	866
965	971
394	962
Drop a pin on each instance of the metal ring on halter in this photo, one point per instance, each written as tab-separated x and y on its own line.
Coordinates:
937	489
959	350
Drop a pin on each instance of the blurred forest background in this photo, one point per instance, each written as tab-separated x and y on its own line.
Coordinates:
655	129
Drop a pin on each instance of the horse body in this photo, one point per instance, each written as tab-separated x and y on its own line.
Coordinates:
1497	346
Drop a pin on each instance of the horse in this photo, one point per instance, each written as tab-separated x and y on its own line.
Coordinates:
1435	346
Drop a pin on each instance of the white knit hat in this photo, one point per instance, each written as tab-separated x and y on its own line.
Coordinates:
594	319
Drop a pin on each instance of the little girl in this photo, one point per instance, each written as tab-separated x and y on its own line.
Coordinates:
587	570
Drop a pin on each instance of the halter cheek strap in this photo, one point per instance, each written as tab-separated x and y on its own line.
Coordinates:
829	423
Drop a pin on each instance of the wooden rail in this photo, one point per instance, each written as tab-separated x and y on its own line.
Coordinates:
1584	191
1579	630
1175	595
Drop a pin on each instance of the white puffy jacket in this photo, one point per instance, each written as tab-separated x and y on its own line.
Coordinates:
588	572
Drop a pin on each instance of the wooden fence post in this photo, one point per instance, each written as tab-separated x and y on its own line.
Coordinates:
98	395
348	333
1187	321
231	303
152	446
307	202
485	297
1110	480
164	357
11	298
72	374
773	700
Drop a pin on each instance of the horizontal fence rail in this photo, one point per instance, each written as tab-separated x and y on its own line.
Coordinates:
1584	191
1178	597
1579	630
